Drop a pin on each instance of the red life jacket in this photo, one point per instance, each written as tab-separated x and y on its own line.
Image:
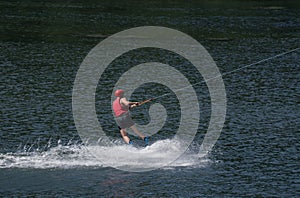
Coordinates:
118	108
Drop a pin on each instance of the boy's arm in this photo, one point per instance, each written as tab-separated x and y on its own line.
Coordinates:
125	102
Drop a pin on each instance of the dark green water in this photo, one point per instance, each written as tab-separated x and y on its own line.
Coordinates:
42	45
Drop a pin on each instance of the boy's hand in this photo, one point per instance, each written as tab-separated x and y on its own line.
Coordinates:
135	104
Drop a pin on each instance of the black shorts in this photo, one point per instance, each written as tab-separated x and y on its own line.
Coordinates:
124	121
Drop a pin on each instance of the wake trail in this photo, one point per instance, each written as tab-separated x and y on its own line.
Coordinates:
79	156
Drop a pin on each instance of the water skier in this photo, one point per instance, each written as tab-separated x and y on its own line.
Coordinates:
121	107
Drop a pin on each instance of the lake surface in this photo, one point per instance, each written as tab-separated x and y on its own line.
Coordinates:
42	45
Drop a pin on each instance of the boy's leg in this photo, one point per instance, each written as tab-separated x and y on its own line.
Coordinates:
133	127
125	136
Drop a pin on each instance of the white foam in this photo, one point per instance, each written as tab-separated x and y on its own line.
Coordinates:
73	156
